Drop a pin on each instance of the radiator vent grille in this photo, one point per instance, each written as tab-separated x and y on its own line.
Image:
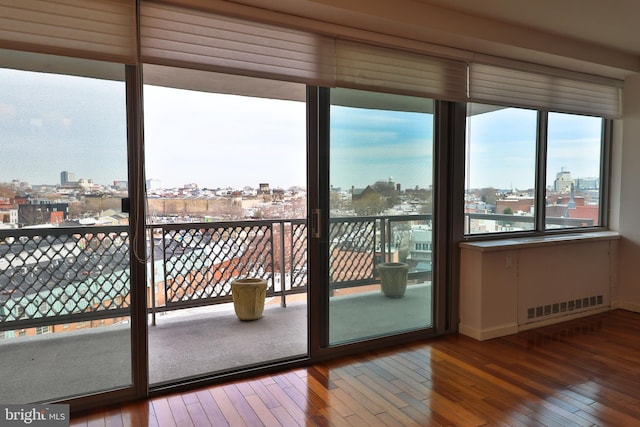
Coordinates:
564	307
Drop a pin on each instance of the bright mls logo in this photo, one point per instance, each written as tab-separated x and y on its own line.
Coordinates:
34	415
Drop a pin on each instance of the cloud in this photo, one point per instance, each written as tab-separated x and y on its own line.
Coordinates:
57	120
52	121
7	112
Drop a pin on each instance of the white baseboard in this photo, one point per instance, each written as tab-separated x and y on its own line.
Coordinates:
501	331
487	334
631	306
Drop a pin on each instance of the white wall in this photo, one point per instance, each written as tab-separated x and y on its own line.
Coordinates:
626	162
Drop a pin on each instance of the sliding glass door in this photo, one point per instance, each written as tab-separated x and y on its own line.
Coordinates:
380	215
226	199
65	283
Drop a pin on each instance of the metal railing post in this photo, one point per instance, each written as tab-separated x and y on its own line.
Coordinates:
283	281
273	256
153	278
164	264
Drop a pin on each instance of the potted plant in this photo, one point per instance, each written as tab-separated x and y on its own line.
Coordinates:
393	278
248	297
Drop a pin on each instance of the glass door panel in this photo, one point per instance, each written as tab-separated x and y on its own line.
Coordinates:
226	196
381	205
64	241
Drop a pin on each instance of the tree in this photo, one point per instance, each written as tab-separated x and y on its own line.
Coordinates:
369	204
6	191
507	211
488	195
336	200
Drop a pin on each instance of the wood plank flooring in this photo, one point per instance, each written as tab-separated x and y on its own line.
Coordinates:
583	372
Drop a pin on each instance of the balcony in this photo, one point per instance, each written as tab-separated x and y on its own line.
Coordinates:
66	291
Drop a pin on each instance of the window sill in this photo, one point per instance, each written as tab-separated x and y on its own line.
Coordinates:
529	242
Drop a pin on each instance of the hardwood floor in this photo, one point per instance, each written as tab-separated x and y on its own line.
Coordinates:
584	372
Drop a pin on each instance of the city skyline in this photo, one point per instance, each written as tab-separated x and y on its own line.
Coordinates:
50	123
501	148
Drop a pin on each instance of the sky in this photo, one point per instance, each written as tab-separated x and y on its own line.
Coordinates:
51	123
501	148
368	145
220	141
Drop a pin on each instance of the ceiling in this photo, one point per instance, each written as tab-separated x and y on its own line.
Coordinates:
612	23
590	36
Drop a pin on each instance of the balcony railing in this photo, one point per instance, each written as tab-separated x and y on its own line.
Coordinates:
55	276
194	264
63	275
506	222
358	245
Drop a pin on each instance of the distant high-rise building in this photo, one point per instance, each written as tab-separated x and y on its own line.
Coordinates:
589	183
563	181
67	177
153	184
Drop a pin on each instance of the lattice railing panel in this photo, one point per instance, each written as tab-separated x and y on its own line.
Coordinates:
45	274
200	263
299	256
352	250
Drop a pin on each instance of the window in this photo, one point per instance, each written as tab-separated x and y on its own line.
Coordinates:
41	330
43	308
500	169
574	157
18	311
512	154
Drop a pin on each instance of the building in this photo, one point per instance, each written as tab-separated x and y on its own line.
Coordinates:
8	216
533	36
153	184
587	183
45	212
563	181
420	256
516	204
67	179
122	185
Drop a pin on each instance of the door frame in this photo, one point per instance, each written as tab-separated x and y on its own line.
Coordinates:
448	156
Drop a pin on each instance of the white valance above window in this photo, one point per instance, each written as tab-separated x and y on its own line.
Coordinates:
180	36
93	29
191	34
362	66
177	36
546	89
